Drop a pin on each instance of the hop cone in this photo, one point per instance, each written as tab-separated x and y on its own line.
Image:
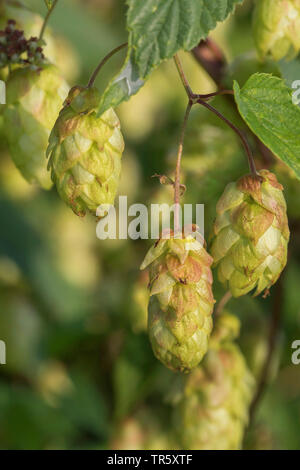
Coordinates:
277	28
212	412
250	234
33	102
181	302
85	152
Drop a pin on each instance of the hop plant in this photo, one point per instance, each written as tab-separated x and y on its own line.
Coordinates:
212	410
85	152
250	234
181	303
33	102
277	28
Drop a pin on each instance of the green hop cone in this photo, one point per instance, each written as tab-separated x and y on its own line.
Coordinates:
34	99
181	301
250	234
85	152
212	410
276	26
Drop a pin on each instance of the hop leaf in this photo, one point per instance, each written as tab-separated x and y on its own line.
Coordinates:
277	28
212	412
33	102
181	302
85	152
250	234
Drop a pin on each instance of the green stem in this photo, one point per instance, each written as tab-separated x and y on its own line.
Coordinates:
237	131
103	61
183	77
193	99
201	99
47	19
178	165
222	303
212	95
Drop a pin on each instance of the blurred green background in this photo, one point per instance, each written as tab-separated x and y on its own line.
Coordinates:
80	372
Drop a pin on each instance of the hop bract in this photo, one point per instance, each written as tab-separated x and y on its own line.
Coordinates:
181	302
276	26
212	411
250	234
34	99
85	152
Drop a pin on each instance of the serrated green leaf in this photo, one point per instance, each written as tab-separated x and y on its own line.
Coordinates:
122	87
265	103
158	29
49	4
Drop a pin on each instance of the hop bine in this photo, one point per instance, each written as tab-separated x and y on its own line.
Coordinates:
212	408
85	152
251	234
181	300
276	26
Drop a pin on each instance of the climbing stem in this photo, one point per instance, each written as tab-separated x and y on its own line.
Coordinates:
195	96
183	77
237	131
222	303
202	99
47	19
103	61
178	166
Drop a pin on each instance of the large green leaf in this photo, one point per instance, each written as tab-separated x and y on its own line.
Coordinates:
122	87
158	29
265	103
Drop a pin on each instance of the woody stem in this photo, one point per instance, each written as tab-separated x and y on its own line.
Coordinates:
47	19
237	131
103	61
178	165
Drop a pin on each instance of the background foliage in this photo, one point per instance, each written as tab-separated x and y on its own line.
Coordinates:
80	372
